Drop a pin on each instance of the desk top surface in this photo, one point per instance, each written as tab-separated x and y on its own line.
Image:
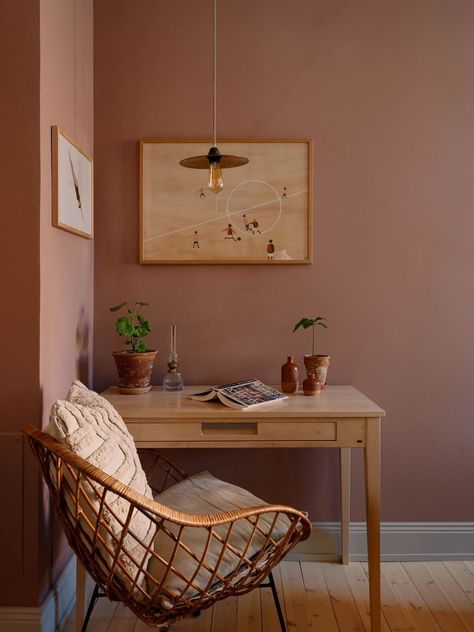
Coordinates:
334	401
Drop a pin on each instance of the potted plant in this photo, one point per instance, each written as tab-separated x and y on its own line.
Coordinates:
134	365
316	364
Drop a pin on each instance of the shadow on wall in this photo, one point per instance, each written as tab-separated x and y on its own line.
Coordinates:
82	349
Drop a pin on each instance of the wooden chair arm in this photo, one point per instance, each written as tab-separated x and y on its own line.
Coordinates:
227	517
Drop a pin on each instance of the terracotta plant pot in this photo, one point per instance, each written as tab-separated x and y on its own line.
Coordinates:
317	365
134	371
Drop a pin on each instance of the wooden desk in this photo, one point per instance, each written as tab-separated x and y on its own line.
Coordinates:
340	417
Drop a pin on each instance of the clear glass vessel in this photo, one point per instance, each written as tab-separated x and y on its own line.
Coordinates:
173	378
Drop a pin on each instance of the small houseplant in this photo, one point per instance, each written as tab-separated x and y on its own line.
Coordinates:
316	364
134	365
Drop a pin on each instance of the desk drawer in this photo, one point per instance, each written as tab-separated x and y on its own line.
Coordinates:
251	430
271	431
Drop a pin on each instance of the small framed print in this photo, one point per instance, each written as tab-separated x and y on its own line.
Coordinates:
262	216
72	186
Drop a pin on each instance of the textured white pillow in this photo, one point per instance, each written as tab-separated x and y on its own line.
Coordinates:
204	494
80	394
91	427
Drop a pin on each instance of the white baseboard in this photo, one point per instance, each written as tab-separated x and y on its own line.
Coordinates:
52	614
61	600
400	541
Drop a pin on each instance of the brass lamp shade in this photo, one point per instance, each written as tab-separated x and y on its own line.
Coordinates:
202	162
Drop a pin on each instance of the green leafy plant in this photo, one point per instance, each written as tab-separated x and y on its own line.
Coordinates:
134	326
311	322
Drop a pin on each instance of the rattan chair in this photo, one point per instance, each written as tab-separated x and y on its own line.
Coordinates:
82	495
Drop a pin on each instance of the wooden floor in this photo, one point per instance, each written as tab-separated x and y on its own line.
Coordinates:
328	597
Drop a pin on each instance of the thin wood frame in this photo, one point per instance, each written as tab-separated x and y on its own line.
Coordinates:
185	187
83	496
72	186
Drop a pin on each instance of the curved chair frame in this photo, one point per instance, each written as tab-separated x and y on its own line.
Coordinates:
72	480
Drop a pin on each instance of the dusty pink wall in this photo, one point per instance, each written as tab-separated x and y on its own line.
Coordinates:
385	90
47	275
20	399
67	261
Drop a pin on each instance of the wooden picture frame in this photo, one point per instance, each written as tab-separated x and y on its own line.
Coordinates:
72	186
262	216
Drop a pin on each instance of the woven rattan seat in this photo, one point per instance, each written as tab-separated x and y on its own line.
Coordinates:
83	495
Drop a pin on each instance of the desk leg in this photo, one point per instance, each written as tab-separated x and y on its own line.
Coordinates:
345	456
372	497
80	594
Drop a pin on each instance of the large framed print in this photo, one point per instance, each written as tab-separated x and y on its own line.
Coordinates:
72	186
263	215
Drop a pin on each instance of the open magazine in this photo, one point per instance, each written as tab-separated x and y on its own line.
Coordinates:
242	395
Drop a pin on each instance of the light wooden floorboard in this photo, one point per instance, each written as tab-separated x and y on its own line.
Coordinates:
123	620
392	607
224	615
294	595
434	598
464	578
267	605
329	597
409	598
346	611
321	615
249	614
103	614
359	585
453	592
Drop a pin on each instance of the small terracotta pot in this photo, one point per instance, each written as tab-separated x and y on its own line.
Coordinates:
311	386
317	365
134	371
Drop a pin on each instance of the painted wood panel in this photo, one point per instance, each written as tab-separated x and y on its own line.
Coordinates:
11	494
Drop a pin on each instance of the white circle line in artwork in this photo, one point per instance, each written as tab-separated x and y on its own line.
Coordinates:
241	184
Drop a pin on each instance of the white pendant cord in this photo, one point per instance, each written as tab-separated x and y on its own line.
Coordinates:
214	113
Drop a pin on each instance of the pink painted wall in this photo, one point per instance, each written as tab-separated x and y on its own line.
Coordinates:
20	398
385	90
67	261
47	274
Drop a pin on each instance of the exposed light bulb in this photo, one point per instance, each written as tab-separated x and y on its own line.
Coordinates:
216	183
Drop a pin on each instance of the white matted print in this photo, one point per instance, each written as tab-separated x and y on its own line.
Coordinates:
262	216
72	186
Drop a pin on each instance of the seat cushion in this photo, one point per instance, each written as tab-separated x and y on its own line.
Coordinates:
91	427
203	494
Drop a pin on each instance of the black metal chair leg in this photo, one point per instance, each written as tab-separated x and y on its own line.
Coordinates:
96	595
92	602
277	603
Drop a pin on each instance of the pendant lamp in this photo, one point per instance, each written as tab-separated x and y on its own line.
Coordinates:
214	161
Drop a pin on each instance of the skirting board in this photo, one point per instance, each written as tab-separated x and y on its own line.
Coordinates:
400	542
54	611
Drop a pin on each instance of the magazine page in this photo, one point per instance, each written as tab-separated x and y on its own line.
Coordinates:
229	402
250	392
204	396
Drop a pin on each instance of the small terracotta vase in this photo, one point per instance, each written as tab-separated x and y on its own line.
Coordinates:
311	386
289	376
134	371
317	365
